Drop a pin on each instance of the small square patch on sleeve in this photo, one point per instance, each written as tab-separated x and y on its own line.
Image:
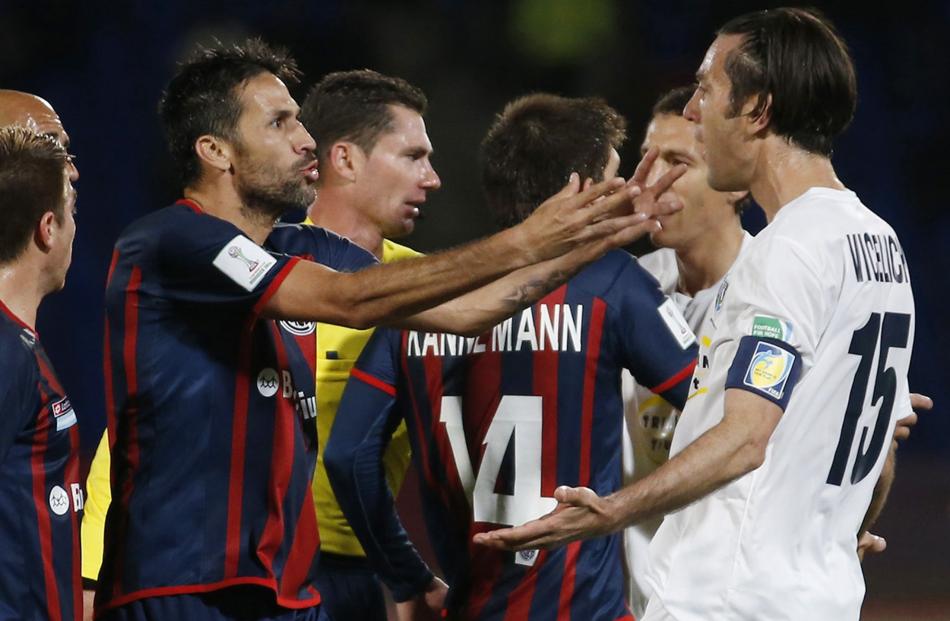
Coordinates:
771	327
244	262
63	413
676	323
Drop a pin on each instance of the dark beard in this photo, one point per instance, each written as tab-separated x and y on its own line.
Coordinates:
271	201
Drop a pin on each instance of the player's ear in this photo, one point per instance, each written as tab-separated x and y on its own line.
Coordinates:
346	159
758	109
214	152
45	232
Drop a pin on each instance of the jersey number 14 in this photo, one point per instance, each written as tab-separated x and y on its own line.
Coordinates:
517	418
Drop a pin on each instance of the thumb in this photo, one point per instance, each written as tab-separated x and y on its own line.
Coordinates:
571	495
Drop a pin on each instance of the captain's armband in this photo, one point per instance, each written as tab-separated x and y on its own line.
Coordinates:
767	367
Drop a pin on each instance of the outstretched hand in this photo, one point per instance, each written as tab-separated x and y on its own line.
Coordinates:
650	199
580	514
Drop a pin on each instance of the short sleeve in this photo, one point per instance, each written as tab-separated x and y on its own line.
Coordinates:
778	303
207	260
656	344
778	292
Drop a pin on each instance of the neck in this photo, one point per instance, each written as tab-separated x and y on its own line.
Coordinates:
703	262
334	211
784	172
222	201
22	290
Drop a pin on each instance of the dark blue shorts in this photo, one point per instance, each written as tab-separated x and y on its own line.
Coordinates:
349	589
232	604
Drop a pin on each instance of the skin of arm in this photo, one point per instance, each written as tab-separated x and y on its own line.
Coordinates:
477	311
732	448
365	298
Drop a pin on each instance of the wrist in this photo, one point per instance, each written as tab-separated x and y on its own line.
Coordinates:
515	242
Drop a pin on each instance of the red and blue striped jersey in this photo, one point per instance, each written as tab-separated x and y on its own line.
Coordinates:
40	489
497	423
209	409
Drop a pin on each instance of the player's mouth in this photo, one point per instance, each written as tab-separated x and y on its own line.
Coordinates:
310	171
414	210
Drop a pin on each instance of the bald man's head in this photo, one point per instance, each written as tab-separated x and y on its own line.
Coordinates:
35	113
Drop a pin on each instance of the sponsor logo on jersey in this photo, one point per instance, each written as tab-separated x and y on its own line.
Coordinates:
676	323
721	294
244	262
526	557
771	327
58	500
300	328
63	413
769	369
268	382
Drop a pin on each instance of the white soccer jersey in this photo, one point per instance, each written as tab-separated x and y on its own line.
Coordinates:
826	282
650	420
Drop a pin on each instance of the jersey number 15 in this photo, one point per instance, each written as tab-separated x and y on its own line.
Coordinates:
881	336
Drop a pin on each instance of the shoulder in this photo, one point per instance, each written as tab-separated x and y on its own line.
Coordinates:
661	264
17	351
177	225
320	245
397	252
614	276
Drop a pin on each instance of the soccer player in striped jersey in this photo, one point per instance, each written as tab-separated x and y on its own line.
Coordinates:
770	479
225	522
373	147
541	392
39	437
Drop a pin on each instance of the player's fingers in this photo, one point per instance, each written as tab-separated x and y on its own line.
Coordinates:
616	204
665	207
575	496
597	190
669	178
612	226
519	538
632	232
643	168
920	402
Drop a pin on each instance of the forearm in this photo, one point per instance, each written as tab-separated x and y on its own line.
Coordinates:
393	291
881	490
716	458
475	312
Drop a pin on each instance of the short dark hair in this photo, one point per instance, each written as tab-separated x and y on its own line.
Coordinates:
204	97
537	142
797	57
354	106
32	173
673	102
